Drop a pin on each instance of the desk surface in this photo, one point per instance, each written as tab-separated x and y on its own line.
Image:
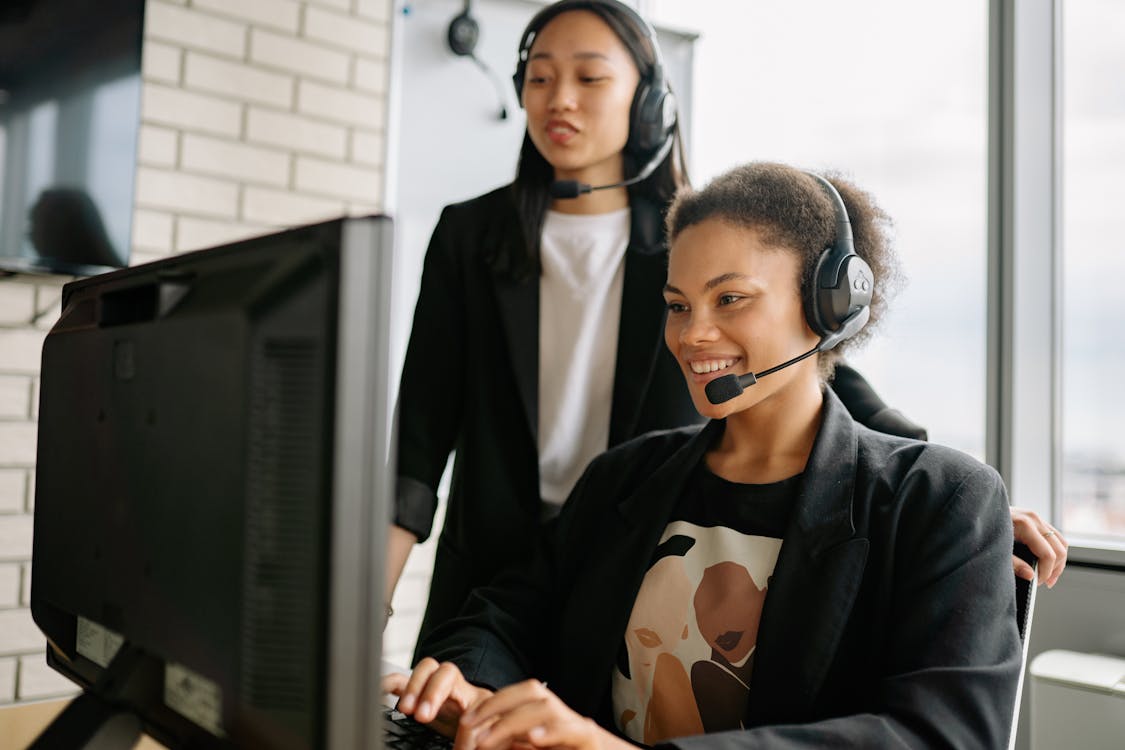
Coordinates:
22	723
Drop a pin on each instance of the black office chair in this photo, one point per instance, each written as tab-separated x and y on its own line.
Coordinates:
1025	608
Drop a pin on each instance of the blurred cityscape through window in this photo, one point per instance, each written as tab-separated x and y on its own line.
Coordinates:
1093	268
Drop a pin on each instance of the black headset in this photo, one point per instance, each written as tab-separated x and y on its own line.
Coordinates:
652	118
839	304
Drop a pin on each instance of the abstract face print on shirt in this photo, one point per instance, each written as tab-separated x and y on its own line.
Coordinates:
689	646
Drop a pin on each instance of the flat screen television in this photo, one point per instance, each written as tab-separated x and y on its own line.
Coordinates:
212	489
70	82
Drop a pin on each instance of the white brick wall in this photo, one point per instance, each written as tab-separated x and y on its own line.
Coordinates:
162	62
152	230
158	147
11	577
376	10
37	681
347	107
371	75
341	180
192	234
7	679
250	164
19	348
237	80
256	114
15	537
175	190
17	445
296	133
15	397
17	304
368	148
296	56
48	303
191	29
275	206
337	4
35	387
31	490
346	30
18	633
279	14
189	110
13	490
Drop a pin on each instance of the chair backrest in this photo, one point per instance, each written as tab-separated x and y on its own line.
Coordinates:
1025	608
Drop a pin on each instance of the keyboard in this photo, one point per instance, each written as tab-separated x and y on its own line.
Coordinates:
403	733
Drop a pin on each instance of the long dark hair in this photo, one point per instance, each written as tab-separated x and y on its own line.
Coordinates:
534	174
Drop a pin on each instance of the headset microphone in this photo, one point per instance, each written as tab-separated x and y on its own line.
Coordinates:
574	188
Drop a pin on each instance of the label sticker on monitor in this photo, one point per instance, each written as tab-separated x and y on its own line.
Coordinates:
194	697
96	643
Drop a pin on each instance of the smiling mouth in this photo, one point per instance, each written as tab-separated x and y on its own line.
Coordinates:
708	366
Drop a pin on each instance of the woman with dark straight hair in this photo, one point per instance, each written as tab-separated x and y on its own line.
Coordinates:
536	336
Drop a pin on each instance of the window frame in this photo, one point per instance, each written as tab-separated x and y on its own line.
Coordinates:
1023	435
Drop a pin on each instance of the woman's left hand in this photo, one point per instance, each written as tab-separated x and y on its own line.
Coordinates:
527	714
1044	541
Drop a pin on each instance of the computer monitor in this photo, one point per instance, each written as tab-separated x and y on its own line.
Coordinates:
212	489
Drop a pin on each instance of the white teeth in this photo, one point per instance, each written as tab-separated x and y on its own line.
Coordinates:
711	365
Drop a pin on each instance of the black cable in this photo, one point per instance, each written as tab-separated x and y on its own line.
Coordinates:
462	37
496	83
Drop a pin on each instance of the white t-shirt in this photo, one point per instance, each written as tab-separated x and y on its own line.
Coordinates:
583	269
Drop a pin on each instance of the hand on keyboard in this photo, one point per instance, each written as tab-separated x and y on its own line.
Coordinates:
434	694
400	732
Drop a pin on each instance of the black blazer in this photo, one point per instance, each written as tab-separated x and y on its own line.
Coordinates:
890	619
470	383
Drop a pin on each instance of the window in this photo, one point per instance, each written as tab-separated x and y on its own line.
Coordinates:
1092	115
895	95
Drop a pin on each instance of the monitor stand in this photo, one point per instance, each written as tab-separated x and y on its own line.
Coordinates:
97	719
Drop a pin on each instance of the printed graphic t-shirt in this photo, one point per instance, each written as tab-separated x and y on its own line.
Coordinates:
684	667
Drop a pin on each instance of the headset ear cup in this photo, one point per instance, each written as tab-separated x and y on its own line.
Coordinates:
838	305
517	81
814	299
669	114
840	293
638	138
651	119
